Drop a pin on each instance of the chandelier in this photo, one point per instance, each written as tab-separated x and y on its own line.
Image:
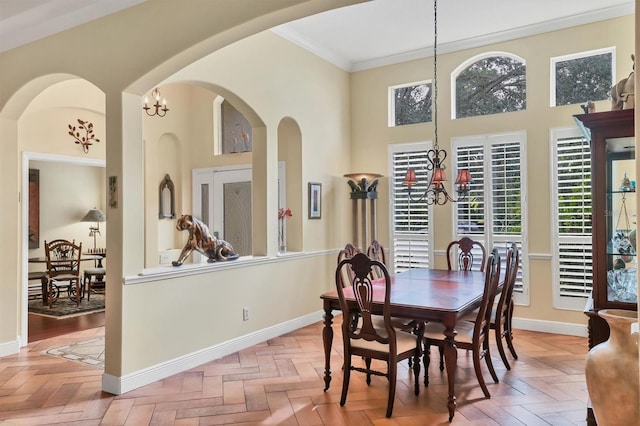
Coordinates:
159	109
436	192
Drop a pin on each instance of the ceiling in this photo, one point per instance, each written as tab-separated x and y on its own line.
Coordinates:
367	35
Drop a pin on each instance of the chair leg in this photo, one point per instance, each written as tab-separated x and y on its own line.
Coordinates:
426	361
476	367
367	363
489	361
509	335
499	334
393	372
416	373
441	349
346	375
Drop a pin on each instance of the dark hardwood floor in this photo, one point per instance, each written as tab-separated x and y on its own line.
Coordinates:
43	328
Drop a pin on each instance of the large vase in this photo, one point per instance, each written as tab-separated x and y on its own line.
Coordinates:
611	372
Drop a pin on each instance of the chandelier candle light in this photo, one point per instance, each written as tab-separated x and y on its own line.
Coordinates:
159	109
436	192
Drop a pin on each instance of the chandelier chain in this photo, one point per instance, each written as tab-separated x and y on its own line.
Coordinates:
435	74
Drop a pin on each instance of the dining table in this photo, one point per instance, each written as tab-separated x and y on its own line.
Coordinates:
434	295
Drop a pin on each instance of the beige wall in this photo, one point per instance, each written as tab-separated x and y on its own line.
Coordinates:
371	135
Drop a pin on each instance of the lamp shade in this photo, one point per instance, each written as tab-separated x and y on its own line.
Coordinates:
94	215
410	178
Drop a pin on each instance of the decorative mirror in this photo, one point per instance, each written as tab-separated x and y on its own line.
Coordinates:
167	197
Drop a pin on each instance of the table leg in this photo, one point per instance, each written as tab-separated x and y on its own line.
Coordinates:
44	284
451	361
327	339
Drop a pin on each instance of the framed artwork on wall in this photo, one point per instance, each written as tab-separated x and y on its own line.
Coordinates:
34	208
315	200
113	192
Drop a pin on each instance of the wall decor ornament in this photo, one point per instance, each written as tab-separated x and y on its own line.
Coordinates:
83	134
167	199
611	371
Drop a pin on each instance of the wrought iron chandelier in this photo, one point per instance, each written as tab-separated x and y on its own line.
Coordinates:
436	192
159	109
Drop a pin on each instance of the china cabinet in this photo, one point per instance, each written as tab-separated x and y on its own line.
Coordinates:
613	192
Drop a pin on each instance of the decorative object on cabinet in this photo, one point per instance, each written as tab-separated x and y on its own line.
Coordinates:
622	94
203	241
611	371
34	208
435	191
158	109
94	215
364	194
611	135
85	140
167	199
315	200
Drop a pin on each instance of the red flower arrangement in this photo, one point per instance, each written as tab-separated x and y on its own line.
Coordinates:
284	213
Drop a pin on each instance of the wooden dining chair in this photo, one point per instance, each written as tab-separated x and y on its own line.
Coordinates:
502	313
347	252
375	251
473	336
462	251
94	280
63	269
370	340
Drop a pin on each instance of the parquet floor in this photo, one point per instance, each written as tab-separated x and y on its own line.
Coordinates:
279	382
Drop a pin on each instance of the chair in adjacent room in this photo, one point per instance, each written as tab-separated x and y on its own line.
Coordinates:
63	269
502	314
469	255
372	339
94	280
473	336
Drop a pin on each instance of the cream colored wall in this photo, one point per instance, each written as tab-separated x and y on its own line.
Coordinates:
371	135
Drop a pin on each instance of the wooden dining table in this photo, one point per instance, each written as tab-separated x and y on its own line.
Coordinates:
420	294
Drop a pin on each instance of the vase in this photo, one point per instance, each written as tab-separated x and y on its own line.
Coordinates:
611	371
282	243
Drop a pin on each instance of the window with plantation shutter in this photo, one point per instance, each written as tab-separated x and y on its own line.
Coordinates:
492	212
571	221
410	234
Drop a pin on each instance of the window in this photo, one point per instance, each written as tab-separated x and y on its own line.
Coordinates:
410	104
410	234
571	219
490	83
492	212
582	77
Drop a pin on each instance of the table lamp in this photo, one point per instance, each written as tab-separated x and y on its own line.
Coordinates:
94	215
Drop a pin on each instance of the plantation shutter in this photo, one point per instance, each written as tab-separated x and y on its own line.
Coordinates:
573	216
410	229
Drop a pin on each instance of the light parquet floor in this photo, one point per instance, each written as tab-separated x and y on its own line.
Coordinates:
279	382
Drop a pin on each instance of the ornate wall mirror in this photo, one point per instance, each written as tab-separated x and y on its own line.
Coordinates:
167	208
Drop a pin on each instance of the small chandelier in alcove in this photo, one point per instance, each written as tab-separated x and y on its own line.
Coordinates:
159	109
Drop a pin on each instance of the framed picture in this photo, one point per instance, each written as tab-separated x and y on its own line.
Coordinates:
113	192
315	200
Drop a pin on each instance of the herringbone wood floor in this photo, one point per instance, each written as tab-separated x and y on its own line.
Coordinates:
279	382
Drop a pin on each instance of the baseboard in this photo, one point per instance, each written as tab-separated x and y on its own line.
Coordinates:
551	327
10	348
119	385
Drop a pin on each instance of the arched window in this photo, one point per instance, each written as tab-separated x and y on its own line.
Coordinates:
490	83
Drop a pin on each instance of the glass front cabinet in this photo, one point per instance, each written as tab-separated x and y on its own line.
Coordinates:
614	217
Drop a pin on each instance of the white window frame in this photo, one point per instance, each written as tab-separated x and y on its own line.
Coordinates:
554	60
488	238
574	303
391	99
419	240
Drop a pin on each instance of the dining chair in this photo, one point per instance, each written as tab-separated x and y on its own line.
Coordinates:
375	251
465	257
373	339
502	313
473	336
63	269
347	252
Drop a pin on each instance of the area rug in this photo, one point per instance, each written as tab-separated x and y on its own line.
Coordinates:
65	308
90	352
